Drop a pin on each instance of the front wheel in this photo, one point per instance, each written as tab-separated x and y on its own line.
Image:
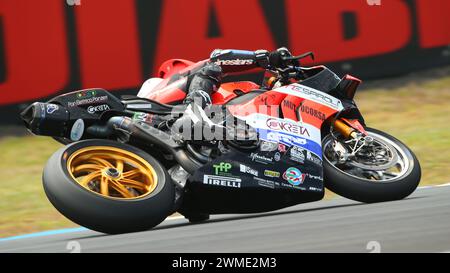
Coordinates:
108	186
382	169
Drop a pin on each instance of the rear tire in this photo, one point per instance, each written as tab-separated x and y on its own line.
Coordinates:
103	213
368	191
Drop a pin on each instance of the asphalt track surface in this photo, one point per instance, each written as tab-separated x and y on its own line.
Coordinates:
420	223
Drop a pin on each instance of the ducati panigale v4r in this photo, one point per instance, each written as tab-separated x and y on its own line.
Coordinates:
125	167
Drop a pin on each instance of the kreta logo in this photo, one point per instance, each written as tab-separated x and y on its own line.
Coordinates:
222	167
294	176
281	125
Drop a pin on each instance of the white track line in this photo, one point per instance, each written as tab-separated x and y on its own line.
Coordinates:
178	217
434	186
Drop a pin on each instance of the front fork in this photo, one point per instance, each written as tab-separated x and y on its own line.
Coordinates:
355	138
349	128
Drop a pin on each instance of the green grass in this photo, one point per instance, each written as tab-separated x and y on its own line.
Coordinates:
23	205
417	113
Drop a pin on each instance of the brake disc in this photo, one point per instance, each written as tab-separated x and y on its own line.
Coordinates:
378	167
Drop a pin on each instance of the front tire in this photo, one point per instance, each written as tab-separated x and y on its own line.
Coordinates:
349	185
82	182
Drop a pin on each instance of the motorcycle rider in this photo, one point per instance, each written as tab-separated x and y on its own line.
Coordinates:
207	79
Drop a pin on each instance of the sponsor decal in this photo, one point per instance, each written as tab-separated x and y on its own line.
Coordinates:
85	101
295	141
278	130
246	169
314	189
312	94
77	130
286	139
313	158
286	126
219	52
85	94
286	185
315	177
298	141
139	116
234	62
51	108
144	117
265	183
98	108
282	148
265	124
294	176
270	173
268	146
289	104
297	154
277	156
292	141
313	112
222	168
260	158
230	182
317	96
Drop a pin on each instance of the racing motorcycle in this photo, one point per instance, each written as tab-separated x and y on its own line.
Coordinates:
125	169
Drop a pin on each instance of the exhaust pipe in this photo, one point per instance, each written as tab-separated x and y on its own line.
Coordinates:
149	134
162	139
46	119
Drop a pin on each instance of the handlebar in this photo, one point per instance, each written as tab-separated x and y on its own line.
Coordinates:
282	58
287	65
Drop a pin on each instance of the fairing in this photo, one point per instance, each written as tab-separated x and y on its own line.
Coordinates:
286	168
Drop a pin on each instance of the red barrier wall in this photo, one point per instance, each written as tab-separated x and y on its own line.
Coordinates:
49	46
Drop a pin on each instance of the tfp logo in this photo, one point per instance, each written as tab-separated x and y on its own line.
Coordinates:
222	167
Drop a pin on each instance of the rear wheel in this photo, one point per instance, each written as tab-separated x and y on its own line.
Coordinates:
382	169
108	186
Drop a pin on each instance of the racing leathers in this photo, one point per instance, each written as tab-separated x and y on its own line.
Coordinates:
207	79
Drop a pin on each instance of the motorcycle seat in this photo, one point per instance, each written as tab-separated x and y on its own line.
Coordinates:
246	97
148	86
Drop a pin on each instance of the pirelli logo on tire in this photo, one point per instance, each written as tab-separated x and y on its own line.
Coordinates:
222	181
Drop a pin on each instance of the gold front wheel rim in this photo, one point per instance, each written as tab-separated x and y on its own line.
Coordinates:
112	172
